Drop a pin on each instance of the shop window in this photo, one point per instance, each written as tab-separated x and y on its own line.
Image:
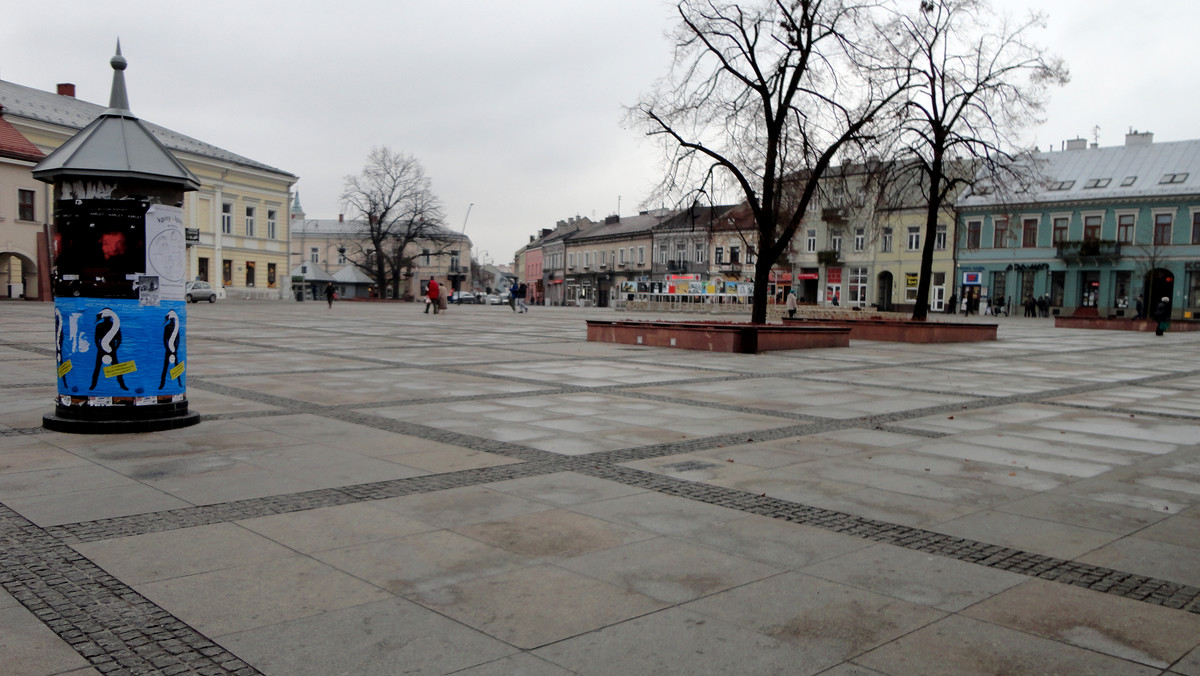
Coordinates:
227	272
271	280
250	269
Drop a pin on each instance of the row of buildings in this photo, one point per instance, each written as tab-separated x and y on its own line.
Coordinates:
248	234
1097	229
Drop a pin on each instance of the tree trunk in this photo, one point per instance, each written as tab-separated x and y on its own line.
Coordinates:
921	309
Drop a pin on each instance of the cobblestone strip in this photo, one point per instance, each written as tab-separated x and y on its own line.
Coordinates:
204	515
116	629
1097	578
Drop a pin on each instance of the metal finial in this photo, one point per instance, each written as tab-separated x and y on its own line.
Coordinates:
118	101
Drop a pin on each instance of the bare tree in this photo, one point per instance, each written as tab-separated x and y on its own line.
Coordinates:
977	81
400	215
765	98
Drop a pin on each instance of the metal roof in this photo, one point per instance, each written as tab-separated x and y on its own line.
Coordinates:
1115	173
20	101
352	275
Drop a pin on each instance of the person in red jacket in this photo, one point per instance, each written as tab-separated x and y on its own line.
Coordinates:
432	295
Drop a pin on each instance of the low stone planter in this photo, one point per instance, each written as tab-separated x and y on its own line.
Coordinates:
904	330
717	336
1120	324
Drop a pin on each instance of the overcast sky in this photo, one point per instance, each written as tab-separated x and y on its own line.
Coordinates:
514	106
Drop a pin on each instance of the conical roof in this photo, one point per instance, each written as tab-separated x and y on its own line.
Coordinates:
115	145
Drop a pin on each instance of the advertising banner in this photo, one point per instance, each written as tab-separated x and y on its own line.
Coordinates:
115	351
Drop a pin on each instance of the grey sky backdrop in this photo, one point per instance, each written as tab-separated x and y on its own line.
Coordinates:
512	105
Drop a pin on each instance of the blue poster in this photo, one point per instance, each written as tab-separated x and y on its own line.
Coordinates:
115	351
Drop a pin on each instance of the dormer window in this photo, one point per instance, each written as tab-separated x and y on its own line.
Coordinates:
1128	181
1060	185
1173	178
1097	183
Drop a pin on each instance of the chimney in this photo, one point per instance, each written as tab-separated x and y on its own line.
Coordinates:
66	89
1076	144
341	218
546	231
612	219
1139	138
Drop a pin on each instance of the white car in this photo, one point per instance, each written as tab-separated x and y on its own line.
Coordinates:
198	291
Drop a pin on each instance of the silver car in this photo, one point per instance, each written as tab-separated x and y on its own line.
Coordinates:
198	291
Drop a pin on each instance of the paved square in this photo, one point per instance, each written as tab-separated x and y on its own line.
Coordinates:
373	490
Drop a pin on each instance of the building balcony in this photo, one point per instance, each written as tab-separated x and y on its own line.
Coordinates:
829	257
837	215
1088	250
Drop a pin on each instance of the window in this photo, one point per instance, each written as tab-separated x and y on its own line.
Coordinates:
939	238
604	259
1030	232
1196	228
249	223
810	244
250	273
227	272
1173	178
1060	230
719	255
641	255
860	239
1060	185
271	224
914	237
571	260
1125	228
271	275
885	241
1096	183
857	288
1128	181
999	233
974	228
622	253
425	255
735	255
341	255
1091	227
749	256
25	205
662	254
453	261
835	242
1162	228
227	219
314	254
911	281
681	252
699	252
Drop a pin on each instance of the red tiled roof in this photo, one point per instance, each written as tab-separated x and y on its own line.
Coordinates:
15	146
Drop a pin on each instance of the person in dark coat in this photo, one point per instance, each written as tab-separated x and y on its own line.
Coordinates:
1141	308
330	294
1162	315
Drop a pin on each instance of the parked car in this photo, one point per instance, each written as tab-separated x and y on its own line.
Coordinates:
463	299
198	291
492	299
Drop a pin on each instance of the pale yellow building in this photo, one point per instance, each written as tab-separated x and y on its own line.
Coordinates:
238	217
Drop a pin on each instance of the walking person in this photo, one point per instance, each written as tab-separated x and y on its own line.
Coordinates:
1162	315
791	304
431	295
521	291
330	294
512	295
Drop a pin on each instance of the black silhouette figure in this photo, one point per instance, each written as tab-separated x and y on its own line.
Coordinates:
108	339
171	346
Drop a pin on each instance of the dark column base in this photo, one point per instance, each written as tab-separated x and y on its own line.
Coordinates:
119	419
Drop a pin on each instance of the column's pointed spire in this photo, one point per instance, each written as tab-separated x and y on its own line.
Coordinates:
118	101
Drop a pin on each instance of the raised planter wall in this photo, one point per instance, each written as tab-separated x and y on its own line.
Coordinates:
717	336
1098	323
904	331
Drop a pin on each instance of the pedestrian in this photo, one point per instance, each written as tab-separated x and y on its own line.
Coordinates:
1043	306
330	294
791	304
444	297
521	291
512	295
1162	315
952	306
431	295
1141	308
